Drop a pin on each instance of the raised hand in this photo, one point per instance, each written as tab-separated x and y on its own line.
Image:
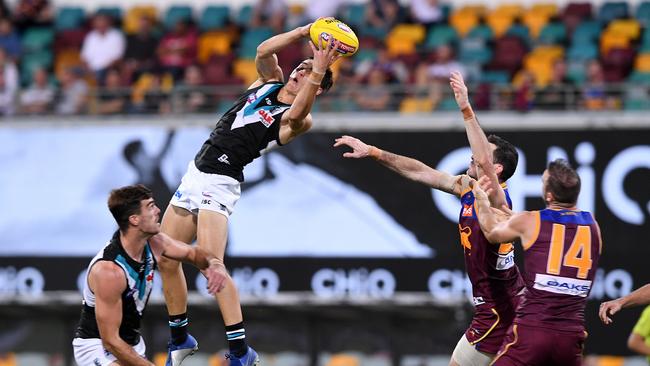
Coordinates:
460	89
359	148
609	308
304	30
324	55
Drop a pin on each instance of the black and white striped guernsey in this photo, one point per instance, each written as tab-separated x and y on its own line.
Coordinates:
139	282
246	129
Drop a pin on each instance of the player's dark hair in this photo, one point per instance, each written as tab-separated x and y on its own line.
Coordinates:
505	154
563	181
328	79
124	202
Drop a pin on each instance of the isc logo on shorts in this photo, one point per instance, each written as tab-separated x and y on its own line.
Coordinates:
505	261
562	285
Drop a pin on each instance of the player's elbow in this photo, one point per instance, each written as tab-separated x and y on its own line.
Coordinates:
263	51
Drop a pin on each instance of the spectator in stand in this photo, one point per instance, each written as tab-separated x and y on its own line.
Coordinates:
376	95
151	93
595	95
73	93
38	98
192	93
394	70
140	51
432	79
384	14
103	47
113	98
9	72
558	92
524	98
426	12
177	49
32	13
9	39
7	98
270	13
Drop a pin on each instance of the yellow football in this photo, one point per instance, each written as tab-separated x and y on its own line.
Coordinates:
323	27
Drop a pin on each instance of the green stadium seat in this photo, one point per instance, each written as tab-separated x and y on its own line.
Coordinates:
440	35
474	51
251	39
519	30
577	72
175	14
583	52
372	32
481	31
354	15
68	18
587	31
553	33
214	17
36	39
365	54
33	61
244	15
495	77
112	11
639	77
612	10
447	104
643	13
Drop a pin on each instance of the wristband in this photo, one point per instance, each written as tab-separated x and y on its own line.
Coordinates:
315	82
468	113
374	152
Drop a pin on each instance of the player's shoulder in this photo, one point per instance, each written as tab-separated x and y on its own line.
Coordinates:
107	270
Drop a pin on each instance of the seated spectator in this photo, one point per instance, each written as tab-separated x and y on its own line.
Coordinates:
9	39
140	50
558	92
177	49
10	73
192	92
32	13
270	13
383	14
426	12
7	98
73	93
113	98
394	70
38	98
432	79
103	47
151	93
524	97
595	95
444	64
376	96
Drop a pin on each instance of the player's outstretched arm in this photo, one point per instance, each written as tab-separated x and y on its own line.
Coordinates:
107	282
640	296
211	267
477	140
298	114
412	169
499	228
266	60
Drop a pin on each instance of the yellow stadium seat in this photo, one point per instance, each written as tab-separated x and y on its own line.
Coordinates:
549	52
499	23
343	360
133	15
625	27
397	47
642	62
547	9
609	41
246	70
535	22
511	10
463	22
476	9
213	43
66	59
409	32
416	105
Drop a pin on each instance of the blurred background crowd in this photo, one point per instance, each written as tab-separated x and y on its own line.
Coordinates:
114	60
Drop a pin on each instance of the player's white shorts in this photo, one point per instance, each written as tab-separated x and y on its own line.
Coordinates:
466	354
91	352
214	192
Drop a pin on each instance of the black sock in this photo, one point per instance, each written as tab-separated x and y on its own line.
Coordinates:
236	336
178	327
